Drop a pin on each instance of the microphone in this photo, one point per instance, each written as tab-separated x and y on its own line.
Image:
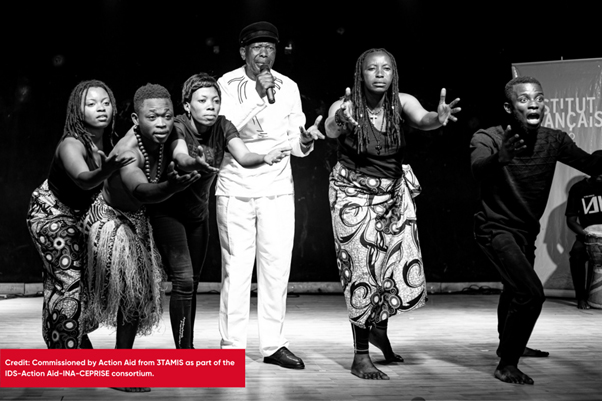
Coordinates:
269	91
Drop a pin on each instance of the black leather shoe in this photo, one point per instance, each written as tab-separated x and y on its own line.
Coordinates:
284	358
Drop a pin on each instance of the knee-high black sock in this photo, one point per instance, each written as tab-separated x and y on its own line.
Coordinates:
380	339
360	339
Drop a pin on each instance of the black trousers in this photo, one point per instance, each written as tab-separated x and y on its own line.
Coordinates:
522	297
183	246
578	259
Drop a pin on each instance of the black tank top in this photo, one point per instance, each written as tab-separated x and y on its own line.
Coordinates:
378	160
65	189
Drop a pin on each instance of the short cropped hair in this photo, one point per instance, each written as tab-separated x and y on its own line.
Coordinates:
509	88
149	91
197	81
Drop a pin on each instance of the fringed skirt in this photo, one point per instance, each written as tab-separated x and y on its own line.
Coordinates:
124	267
56	232
376	242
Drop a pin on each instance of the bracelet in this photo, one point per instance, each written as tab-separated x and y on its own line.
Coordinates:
338	120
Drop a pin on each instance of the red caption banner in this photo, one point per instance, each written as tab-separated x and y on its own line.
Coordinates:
122	368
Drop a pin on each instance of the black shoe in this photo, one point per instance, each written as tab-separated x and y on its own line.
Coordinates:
284	358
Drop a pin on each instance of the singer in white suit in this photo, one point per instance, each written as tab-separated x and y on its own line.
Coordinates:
256	206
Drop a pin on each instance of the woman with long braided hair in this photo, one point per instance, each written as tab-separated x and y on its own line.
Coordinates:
371	201
57	207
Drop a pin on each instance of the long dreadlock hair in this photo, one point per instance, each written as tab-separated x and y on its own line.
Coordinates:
391	105
74	123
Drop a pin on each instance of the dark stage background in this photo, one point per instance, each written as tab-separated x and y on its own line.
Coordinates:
49	47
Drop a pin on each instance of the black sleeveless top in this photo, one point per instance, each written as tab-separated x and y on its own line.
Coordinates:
377	160
65	189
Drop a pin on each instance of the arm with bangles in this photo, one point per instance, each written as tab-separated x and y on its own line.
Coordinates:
341	118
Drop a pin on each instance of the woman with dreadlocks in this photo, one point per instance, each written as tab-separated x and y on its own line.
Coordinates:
57	207
371	202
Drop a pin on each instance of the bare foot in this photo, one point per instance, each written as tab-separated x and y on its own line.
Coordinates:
364	368
379	339
582	304
511	374
529	352
133	389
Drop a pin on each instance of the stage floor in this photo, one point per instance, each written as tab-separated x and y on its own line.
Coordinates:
449	350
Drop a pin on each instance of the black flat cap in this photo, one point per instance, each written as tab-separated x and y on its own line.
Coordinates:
257	32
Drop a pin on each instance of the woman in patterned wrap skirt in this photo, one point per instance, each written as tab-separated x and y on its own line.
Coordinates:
371	201
58	205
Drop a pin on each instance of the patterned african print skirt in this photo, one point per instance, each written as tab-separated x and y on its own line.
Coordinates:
56	232
124	267
376	242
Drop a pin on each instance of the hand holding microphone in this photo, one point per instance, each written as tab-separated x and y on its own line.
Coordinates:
267	84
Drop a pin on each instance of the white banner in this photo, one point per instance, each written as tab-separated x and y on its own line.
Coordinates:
574	105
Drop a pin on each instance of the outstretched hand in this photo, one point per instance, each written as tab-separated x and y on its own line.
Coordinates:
312	133
347	109
179	182
276	155
446	111
511	145
201	163
114	162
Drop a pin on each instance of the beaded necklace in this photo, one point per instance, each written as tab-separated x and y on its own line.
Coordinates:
147	169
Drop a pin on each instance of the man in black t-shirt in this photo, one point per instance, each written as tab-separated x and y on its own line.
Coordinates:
584	209
515	169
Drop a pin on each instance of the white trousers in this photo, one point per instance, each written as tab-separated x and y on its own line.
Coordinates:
255	229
